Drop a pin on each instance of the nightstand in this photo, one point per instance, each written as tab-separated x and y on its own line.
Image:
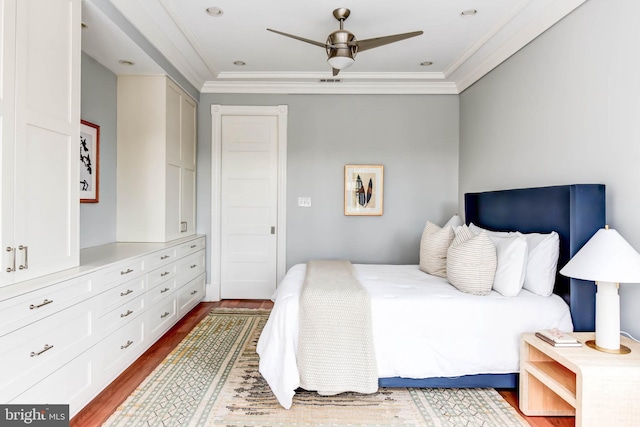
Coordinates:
600	389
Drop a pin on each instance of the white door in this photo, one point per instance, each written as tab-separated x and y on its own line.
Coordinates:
248	210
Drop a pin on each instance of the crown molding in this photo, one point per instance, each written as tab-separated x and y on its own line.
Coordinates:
355	88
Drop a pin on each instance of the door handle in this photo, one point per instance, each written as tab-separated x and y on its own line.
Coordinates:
13	259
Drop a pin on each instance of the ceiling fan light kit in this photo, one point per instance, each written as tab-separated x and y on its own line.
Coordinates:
342	46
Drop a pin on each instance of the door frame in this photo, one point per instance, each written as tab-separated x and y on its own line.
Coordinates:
217	111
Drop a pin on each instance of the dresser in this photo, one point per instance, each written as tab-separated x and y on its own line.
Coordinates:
64	337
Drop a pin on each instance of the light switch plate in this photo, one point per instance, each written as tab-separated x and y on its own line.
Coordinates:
304	202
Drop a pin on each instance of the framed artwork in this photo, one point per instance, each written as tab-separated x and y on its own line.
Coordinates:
363	189
89	162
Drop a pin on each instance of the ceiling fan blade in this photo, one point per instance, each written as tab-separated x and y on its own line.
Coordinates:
302	39
381	41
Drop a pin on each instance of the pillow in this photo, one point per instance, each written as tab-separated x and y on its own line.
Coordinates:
542	259
454	221
477	230
471	262
433	249
511	253
542	262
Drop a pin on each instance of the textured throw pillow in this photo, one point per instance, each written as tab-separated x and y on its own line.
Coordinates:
542	262
471	262
511	253
433	249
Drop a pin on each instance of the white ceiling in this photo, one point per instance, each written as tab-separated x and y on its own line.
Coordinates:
203	48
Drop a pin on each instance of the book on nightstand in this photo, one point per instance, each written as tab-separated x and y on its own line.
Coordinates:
557	338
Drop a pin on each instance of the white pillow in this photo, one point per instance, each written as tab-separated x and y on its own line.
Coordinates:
511	254
477	230
542	262
433	249
471	262
454	221
542	259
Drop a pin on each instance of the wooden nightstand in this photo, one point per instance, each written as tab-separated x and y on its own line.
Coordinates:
600	389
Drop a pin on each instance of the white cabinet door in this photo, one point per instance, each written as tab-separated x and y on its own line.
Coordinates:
47	127
156	136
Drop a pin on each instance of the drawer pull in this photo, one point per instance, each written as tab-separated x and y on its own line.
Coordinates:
124	294
47	347
194	265
164	274
194	292
193	246
127	271
165	257
166	313
42	304
129	342
164	290
126	314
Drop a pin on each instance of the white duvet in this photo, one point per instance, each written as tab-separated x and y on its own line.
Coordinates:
422	327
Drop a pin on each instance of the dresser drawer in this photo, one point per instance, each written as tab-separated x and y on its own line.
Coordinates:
33	306
31	353
122	294
162	274
73	384
122	314
161	291
190	247
122	272
190	267
190	294
160	258
120	349
161	317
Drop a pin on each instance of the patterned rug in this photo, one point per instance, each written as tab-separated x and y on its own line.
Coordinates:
211	379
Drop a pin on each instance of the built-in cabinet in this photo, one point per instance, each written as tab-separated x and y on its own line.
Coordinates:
68	338
40	122
156	160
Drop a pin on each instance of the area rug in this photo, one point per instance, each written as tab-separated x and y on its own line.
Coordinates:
211	379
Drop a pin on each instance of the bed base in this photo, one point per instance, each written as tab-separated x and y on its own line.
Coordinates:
465	381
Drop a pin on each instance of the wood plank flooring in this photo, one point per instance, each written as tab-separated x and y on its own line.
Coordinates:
100	408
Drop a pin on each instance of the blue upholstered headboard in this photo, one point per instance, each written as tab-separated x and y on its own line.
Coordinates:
575	212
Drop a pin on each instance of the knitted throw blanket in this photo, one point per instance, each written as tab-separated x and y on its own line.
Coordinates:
335	345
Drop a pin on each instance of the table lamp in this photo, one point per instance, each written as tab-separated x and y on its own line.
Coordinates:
608	259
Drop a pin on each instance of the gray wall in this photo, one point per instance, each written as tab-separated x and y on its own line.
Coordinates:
414	137
98	106
564	110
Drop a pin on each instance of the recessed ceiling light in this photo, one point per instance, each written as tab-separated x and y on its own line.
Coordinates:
469	12
239	63
214	11
126	62
426	63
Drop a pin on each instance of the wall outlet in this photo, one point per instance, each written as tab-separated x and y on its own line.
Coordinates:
304	202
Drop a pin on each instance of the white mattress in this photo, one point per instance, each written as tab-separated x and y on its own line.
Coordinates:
422	327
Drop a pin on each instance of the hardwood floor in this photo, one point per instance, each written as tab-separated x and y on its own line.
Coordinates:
100	408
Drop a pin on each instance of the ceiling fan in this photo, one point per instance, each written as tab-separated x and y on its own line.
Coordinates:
342	46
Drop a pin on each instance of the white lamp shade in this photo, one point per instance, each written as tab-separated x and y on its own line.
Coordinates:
606	257
340	62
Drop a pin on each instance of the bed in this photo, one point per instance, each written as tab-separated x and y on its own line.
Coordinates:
419	336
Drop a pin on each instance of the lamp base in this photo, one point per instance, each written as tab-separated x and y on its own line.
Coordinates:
622	350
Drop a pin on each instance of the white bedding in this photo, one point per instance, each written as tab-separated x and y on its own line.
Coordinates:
422	327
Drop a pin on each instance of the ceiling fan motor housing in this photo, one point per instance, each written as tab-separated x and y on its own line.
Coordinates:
341	48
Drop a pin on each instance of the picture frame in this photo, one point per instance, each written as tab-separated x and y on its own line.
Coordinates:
363	189
89	162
